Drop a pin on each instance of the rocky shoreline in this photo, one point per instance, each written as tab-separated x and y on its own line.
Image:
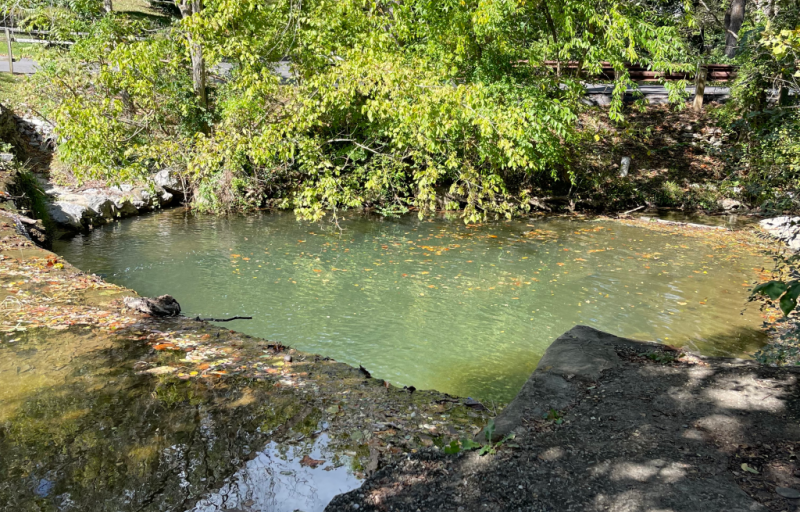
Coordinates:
85	209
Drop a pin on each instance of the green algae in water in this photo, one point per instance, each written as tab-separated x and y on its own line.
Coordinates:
467	310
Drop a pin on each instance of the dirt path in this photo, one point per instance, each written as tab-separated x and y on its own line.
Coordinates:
615	425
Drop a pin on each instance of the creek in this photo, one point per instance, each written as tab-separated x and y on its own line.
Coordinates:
463	309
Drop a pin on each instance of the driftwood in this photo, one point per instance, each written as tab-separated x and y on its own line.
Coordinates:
160	306
634	210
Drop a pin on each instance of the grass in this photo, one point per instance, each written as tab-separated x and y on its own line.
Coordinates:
19	49
7	83
140	9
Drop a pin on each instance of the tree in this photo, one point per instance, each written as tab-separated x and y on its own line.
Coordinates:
188	9
734	17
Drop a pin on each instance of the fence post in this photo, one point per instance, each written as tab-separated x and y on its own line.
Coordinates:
10	55
700	86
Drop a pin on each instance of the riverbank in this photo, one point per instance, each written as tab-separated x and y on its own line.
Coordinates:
610	424
132	403
103	408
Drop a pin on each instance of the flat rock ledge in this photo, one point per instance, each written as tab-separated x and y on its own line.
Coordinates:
82	210
612	424
785	229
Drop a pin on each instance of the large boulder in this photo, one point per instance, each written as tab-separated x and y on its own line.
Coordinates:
71	215
125	207
169	181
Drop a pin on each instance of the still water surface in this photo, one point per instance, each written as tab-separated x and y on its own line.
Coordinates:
467	310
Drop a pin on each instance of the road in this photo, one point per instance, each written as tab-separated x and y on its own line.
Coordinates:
598	94
23	66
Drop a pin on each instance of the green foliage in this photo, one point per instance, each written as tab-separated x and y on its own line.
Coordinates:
487	448
554	416
786	293
415	106
762	118
32	197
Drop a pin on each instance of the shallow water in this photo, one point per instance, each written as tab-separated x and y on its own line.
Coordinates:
468	310
79	430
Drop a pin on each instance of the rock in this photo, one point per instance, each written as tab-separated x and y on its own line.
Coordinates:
123	189
71	215
788	492
102	206
6	157
125	208
732	204
161	370
169	181
164	305
165	198
624	166
784	228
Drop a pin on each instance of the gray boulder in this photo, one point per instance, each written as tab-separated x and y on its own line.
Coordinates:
732	204
169	181
165	198
784	228
102	206
71	215
125	207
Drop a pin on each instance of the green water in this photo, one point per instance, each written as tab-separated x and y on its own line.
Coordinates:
467	310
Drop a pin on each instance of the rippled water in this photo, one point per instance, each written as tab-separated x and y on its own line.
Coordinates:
467	310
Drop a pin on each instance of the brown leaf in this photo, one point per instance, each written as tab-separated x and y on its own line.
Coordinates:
309	462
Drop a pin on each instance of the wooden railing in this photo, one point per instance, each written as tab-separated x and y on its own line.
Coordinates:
715	72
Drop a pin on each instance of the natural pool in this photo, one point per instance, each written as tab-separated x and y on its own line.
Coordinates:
467	310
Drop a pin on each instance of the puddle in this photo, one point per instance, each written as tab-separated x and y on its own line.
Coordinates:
286	479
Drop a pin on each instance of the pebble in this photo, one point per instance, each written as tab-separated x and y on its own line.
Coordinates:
788	492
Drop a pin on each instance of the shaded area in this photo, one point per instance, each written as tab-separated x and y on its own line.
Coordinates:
644	428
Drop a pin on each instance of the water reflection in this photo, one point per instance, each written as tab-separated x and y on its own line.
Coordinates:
466	310
285	479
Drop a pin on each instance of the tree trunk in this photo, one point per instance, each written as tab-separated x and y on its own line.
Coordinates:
700	87
188	8
107	5
733	22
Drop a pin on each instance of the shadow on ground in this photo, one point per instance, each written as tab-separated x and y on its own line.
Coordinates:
642	430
